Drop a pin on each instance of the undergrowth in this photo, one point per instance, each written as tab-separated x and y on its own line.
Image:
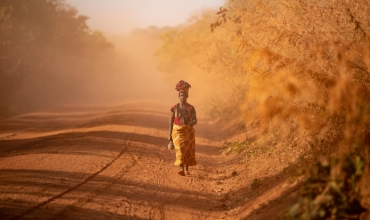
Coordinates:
234	147
332	191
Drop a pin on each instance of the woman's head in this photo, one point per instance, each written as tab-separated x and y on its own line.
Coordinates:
183	96
183	88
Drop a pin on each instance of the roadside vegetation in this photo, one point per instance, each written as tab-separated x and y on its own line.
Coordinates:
48	55
298	74
293	77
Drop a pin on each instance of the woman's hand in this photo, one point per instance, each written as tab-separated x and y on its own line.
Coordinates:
170	145
192	123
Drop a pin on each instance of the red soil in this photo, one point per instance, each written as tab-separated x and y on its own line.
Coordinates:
112	162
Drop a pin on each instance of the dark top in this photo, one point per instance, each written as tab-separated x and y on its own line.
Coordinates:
182	116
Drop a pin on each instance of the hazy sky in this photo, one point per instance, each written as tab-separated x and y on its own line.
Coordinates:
121	16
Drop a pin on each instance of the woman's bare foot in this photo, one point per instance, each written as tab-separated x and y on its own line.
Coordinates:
181	172
187	173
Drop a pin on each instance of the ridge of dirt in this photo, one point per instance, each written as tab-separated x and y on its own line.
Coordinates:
112	162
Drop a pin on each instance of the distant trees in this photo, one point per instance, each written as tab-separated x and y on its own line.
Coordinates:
46	49
207	60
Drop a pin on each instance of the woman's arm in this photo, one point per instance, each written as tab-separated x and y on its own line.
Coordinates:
171	126
193	119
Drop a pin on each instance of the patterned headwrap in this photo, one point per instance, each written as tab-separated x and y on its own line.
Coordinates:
183	86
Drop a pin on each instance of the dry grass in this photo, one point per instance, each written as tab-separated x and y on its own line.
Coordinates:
305	70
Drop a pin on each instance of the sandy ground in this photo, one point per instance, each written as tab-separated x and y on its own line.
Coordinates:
112	162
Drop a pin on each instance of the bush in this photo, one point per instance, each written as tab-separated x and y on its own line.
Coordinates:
332	191
234	147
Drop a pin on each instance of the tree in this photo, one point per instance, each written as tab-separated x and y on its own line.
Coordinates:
44	46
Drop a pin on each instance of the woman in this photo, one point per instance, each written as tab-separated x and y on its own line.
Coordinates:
181	132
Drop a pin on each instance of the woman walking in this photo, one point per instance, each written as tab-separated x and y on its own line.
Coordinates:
181	131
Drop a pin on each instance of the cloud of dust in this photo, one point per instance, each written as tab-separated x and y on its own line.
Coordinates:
136	64
134	76
128	73
57	68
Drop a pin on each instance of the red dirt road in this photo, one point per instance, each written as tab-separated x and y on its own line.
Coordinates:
102	163
112	162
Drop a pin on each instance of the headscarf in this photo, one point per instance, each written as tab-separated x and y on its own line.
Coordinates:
183	86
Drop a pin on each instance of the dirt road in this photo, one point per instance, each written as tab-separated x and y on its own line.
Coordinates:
102	162
112	162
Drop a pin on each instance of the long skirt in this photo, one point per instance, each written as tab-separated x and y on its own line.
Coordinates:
184	140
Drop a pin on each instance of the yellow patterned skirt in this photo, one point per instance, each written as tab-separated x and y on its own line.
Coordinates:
184	140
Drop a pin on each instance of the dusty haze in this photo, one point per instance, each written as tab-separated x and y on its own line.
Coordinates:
68	63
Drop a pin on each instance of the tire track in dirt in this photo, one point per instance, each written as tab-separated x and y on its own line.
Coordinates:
159	172
139	182
161	203
119	172
184	184
163	179
76	187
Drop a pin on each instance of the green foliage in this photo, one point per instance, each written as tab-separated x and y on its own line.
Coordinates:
332	191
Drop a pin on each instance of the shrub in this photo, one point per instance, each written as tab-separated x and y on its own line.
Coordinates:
332	191
235	146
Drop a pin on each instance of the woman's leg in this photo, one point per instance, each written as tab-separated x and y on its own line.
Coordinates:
187	170
181	172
